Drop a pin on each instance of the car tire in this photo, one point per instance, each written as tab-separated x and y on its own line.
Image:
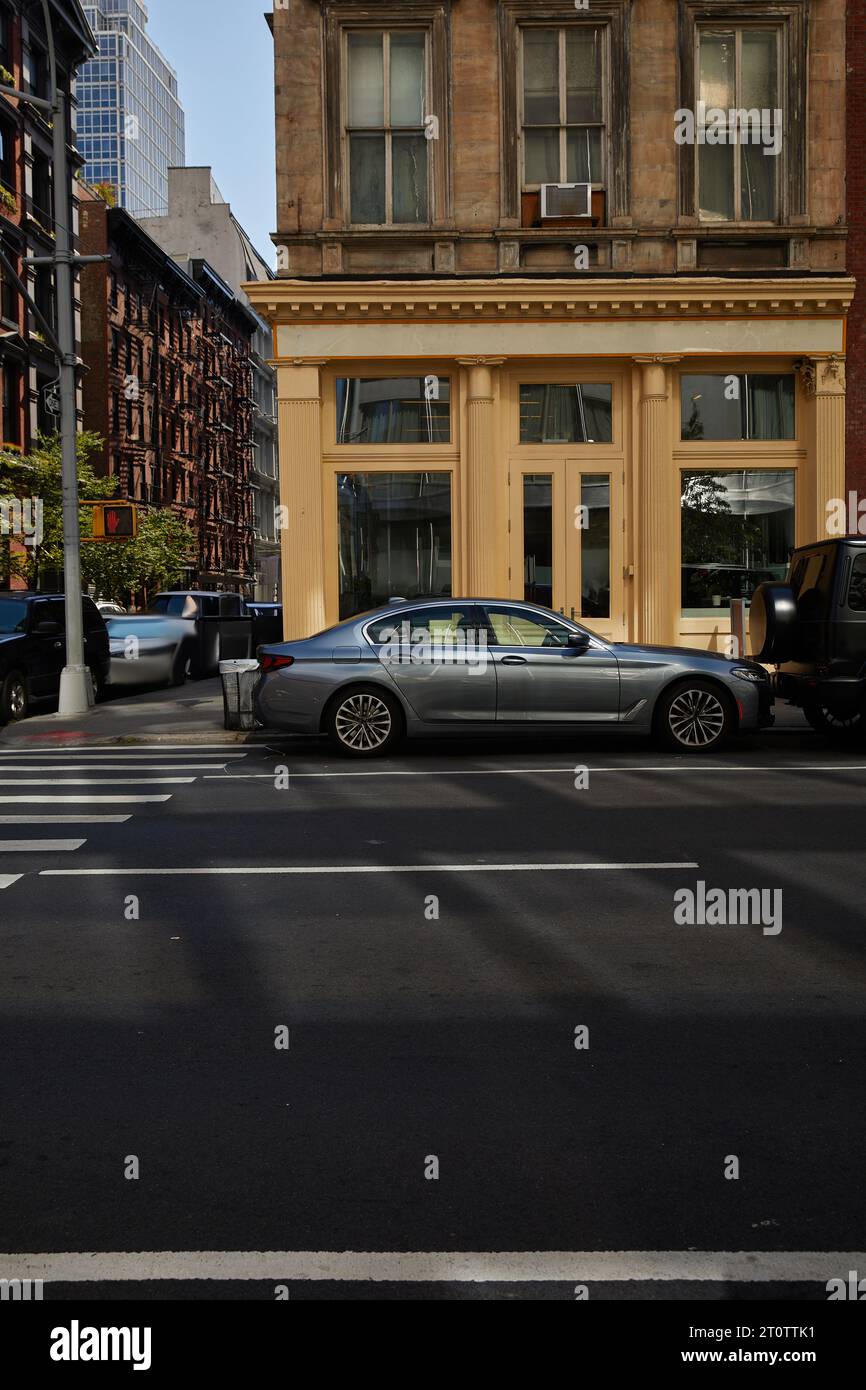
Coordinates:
14	700
180	670
694	716
841	725
98	681
773	623
364	722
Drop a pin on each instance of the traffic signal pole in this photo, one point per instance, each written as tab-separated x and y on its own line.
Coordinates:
76	687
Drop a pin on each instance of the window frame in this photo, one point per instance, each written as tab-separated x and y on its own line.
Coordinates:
738	29
614	18
431	16
386	130
791	17
564	125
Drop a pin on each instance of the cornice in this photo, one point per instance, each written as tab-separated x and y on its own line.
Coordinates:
512	300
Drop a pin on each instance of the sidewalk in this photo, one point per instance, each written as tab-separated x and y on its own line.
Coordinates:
190	714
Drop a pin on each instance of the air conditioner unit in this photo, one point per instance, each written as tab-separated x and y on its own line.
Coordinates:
566	200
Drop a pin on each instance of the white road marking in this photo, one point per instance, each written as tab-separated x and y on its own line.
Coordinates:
95	781
64	820
374	869
438	1266
6	880
82	800
110	767
517	771
117	749
40	846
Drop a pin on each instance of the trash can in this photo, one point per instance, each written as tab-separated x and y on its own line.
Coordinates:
239	679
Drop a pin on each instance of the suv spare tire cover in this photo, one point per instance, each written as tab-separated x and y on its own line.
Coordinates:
773	623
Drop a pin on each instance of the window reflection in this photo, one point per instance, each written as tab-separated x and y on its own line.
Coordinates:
737	533
395	538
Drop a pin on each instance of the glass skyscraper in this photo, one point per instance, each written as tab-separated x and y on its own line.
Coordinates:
130	122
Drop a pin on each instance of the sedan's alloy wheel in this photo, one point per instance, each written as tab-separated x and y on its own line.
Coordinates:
363	722
696	718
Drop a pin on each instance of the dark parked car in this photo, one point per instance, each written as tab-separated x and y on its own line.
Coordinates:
33	649
812	628
499	666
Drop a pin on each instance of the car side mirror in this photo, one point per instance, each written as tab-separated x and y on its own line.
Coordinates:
578	641
47	629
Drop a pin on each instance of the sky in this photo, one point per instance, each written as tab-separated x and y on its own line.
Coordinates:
223	55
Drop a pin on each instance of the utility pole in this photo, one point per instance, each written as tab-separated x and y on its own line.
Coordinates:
76	688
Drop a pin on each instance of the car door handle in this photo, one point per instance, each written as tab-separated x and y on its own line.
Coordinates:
513	661
58	645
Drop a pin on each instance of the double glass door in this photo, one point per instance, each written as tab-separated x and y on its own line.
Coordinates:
567	541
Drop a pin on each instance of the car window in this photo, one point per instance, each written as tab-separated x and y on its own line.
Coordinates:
857	585
13	615
448	625
515	627
175	605
230	606
49	611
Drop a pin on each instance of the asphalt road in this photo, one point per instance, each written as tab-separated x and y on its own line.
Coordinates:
439	940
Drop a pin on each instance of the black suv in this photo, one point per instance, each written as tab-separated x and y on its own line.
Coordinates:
33	649
812	627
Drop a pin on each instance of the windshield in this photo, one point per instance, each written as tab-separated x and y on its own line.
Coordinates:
13	615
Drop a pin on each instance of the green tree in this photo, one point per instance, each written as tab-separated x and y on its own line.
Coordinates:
115	569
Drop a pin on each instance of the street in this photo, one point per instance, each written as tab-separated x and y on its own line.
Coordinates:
258	1003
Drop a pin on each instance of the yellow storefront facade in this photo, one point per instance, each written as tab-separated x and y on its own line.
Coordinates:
632	453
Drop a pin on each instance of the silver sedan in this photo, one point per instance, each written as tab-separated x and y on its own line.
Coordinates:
499	666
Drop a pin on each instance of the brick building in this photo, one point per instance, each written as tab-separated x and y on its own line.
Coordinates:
28	199
536	335
855	416
169	387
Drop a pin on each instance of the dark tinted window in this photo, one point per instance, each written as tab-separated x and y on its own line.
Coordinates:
857	585
49	611
13	615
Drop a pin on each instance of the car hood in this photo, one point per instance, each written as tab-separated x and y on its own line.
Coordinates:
627	651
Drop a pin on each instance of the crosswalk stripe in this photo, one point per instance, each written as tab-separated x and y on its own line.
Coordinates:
6	880
81	800
64	820
95	781
110	767
40	846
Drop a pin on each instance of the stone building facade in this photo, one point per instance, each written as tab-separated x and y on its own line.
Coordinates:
561	302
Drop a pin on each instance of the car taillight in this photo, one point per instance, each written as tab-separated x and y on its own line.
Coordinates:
270	662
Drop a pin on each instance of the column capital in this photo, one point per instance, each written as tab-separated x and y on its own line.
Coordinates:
658	359
822	375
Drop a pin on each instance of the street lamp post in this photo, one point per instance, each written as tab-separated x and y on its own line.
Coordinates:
76	690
